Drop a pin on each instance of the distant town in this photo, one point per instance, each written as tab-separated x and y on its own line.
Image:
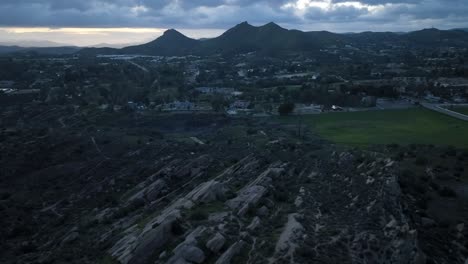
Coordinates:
348	78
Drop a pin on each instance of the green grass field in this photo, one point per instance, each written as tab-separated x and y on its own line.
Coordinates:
409	126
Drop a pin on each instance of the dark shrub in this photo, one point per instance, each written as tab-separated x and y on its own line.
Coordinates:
447	192
286	108
451	152
421	161
198	215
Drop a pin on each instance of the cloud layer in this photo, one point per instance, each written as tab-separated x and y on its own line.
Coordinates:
335	15
89	22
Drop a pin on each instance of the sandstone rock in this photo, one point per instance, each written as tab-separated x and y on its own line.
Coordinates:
232	251
217	216
263	211
155	189
254	224
152	240
191	169
298	202
265	177
192	254
180	261
246	198
70	238
243	235
207	192
188	250
136	246
216	243
291	233
150	192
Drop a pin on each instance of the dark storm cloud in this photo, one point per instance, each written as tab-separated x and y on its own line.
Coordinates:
225	13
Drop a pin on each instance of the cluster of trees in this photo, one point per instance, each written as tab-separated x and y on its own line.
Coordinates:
286	108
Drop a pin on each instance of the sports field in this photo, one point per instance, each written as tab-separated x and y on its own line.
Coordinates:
408	126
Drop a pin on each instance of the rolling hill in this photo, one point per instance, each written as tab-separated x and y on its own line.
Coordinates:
39	50
170	43
272	39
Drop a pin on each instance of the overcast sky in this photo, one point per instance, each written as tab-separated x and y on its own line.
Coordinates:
88	22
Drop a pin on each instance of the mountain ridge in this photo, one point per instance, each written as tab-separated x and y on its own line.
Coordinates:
274	39
271	39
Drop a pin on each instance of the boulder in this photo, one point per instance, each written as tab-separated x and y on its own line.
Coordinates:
136	246
291	233
263	211
192	254
155	189
232	251
217	216
150	192
246	198
216	243
254	224
207	192
70	238
298	202
188	250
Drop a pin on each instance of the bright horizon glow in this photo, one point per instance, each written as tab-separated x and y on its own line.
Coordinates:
77	36
81	31
127	36
88	23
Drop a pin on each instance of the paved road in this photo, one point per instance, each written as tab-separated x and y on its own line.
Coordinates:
439	109
138	66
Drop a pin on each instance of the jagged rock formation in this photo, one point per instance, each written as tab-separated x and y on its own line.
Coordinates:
291	201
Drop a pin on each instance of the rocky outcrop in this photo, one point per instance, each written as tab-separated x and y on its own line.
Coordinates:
288	240
298	200
216	243
188	250
150	192
361	207
207	192
246	198
137	246
254	224
231	252
192	168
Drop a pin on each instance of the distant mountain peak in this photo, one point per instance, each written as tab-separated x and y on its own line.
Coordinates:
172	32
272	25
244	24
430	30
274	39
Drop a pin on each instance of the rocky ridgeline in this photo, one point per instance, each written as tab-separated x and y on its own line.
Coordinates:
324	207
330	209
262	197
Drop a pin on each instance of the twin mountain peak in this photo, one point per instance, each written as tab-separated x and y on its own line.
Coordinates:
274	39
